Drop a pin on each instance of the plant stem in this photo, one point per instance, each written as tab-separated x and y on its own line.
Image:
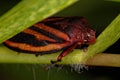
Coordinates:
75	57
105	59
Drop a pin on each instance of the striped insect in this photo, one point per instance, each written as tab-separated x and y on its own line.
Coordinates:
52	35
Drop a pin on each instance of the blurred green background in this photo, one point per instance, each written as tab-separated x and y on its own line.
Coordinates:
99	14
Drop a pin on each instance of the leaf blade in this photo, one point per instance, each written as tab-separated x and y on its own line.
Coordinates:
21	17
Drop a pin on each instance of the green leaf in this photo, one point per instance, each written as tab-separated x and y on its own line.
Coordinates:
28	12
108	37
114	0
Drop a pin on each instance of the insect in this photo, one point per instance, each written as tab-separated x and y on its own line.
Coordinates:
53	34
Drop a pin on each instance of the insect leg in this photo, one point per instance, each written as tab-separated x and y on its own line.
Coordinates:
66	51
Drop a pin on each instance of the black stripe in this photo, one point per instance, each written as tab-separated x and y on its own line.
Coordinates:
67	25
28	39
50	35
64	24
54	25
67	29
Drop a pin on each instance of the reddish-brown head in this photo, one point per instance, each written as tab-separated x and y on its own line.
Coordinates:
81	32
89	37
88	33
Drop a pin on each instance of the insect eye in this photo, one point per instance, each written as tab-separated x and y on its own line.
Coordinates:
87	38
88	35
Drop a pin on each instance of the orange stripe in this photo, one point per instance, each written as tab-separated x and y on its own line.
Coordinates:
28	47
53	31
38	36
52	19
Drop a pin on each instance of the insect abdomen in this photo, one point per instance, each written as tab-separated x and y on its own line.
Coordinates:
39	39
